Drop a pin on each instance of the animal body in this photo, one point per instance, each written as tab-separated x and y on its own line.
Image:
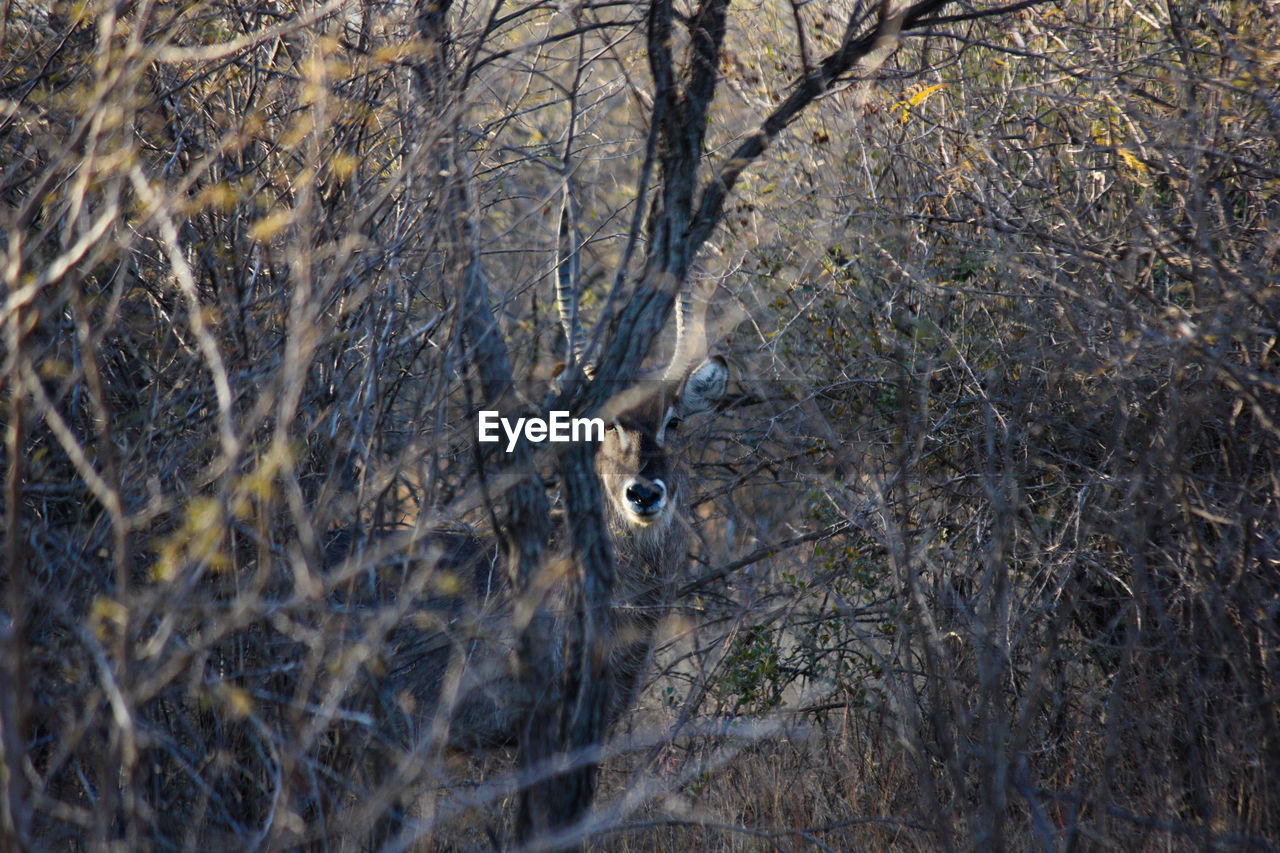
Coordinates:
465	673
645	485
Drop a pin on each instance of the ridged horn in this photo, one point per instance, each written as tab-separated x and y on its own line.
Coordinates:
689	335
567	278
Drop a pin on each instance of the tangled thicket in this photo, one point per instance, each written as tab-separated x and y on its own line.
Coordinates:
988	536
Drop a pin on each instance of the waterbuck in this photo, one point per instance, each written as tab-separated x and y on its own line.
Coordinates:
466	672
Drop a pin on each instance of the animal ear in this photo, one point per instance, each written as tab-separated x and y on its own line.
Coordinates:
704	387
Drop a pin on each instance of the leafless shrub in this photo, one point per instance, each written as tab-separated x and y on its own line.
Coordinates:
986	539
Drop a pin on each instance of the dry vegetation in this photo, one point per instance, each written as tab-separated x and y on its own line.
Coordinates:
989	534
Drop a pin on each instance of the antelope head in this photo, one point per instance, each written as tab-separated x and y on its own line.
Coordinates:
640	461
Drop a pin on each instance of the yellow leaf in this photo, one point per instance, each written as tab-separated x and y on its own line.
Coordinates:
238	701
270	225
1131	160
915	100
104	612
919	97
166	565
341	165
447	583
218	196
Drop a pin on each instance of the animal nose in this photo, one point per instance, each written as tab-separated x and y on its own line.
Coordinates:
646	496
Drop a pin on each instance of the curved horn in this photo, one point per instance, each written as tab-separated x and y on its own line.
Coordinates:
567	277
689	335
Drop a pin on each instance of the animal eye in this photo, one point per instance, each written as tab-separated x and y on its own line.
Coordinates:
673	422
